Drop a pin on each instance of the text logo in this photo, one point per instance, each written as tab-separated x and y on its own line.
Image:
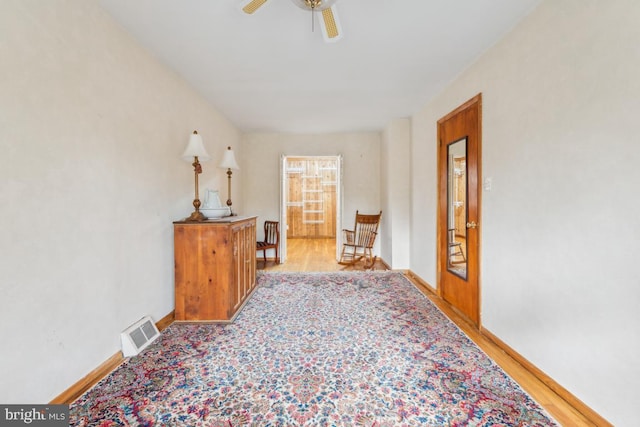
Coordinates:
34	415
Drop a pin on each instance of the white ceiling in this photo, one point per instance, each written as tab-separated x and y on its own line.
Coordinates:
269	72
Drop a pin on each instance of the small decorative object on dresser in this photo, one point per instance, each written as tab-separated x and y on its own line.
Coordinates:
212	207
214	213
215	268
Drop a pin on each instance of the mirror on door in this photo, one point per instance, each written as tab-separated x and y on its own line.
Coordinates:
457	208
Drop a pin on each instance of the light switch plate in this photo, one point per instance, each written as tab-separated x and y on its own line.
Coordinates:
487	184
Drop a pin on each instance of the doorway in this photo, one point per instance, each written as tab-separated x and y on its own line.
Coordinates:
310	196
459	164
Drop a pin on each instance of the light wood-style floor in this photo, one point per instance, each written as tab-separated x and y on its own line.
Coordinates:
313	255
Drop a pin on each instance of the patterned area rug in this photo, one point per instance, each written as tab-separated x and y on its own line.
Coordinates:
319	349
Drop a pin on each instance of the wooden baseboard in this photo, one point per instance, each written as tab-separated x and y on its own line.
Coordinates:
417	279
89	380
562	392
76	390
163	323
482	337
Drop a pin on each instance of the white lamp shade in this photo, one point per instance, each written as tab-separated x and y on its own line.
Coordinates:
229	160
195	148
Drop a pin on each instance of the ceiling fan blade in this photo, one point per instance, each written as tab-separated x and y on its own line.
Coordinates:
331	29
252	6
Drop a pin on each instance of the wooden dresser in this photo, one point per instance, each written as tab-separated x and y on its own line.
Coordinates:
215	268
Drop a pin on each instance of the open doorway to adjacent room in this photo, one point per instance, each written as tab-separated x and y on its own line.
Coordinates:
310	204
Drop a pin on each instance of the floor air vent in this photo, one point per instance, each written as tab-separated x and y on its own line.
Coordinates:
138	336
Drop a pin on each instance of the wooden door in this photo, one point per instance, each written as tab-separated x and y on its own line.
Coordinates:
244	260
459	161
239	270
201	252
250	256
311	196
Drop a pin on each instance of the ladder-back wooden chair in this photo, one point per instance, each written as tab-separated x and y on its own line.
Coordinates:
455	249
271	240
358	243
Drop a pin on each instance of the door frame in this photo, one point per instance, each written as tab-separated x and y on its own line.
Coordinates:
284	193
474	173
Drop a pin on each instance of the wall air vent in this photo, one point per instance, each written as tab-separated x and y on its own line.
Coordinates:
138	336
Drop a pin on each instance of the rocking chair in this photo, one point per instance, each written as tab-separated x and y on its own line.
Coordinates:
358	243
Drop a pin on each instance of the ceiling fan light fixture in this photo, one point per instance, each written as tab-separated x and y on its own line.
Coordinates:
328	16
319	5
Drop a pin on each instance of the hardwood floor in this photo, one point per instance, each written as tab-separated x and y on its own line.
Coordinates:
314	255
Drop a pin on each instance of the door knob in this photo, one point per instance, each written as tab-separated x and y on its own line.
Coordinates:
472	224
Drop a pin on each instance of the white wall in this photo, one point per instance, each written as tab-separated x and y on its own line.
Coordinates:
560	233
361	169
396	193
91	133
92	128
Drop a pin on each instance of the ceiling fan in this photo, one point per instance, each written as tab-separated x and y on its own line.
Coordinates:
328	16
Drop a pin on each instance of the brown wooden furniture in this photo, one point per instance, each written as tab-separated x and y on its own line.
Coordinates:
271	240
311	196
215	268
358	243
459	284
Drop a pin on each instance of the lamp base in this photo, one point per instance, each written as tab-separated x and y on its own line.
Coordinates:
196	216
